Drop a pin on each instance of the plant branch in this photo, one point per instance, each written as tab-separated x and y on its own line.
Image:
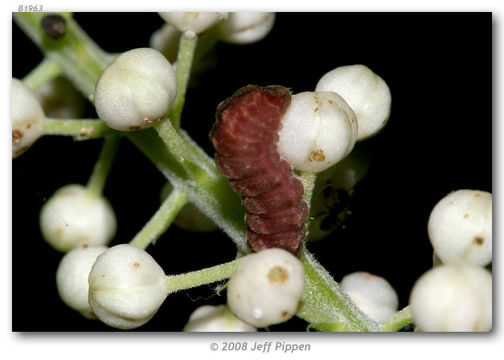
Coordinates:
102	166
397	321
200	277
161	220
44	72
80	129
185	57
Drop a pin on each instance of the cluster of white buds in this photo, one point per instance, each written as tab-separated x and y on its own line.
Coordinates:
243	27
189	217
27	118
72	277
456	294
350	103
136	90
266	287
197	22
208	318
372	294
73	217
126	287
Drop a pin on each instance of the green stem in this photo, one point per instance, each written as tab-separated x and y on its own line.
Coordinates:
80	129
325	306
397	321
200	277
44	72
102	167
185	57
161	220
77	54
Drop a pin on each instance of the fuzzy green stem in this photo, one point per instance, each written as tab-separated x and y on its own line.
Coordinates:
397	321
161	220
44	72
102	167
80	129
77	54
325	306
185	57
200	277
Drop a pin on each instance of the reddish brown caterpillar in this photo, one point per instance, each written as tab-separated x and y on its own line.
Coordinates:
245	138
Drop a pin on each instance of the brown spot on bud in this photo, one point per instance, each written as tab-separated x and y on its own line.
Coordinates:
478	240
466	216
285	314
317	155
134	127
277	275
16	136
136	264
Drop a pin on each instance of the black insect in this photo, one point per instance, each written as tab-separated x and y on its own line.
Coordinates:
338	208
54	26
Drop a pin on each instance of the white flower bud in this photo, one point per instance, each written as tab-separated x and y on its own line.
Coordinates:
210	318
193	21
190	217
266	287
366	93
460	228
72	218
166	41
372	294
318	130
27	118
246	27
126	287
72	277
453	298
136	90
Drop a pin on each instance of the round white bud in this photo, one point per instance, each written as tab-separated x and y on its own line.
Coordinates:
216	318
72	277
453	298
72	217
372	294
460	228
166	41
266	287
318	130
126	287
27	118
193	21
366	93
136	90
190	217
246	27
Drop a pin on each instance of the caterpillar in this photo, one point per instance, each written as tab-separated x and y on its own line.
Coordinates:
245	137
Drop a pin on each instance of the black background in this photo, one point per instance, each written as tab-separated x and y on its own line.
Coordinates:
439	139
